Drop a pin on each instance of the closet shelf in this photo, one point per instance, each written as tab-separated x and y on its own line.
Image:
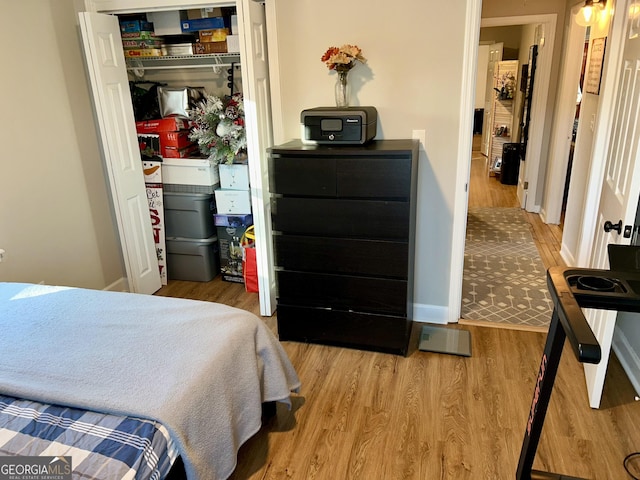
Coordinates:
213	60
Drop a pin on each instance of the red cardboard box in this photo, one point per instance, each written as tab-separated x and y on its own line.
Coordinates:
169	124
178	139
173	152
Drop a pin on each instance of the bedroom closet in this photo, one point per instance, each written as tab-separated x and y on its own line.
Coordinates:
245	70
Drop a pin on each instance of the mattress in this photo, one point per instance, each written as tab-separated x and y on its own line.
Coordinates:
101	446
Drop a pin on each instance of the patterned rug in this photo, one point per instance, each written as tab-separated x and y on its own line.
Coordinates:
504	279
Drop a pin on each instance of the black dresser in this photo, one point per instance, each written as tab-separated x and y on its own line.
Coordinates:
344	227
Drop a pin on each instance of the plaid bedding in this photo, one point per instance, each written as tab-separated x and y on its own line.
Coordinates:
101	446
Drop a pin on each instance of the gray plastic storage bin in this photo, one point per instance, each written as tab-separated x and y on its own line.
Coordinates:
193	259
189	215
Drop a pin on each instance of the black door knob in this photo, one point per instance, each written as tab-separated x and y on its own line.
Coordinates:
608	226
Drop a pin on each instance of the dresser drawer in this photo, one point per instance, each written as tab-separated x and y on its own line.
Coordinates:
348	329
341	218
291	175
343	292
374	177
367	177
342	255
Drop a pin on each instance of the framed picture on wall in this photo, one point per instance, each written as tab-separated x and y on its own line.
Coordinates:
594	73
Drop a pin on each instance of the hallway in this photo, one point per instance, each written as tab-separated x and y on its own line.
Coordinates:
486	191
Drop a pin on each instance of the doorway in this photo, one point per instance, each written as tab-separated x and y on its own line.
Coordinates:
487	192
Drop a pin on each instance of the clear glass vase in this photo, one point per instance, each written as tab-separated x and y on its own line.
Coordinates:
342	89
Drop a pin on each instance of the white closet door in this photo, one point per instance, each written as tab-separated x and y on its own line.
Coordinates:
257	103
112	99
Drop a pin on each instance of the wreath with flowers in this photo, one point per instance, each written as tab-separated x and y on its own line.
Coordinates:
219	128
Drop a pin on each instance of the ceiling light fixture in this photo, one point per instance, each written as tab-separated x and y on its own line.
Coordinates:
588	14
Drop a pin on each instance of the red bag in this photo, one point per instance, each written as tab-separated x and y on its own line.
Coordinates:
249	263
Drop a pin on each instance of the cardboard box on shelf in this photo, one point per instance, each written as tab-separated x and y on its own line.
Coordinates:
174	152
234	25
167	23
169	124
215	35
234	176
138	35
179	139
210	47
129	26
144	43
233	201
207	12
177	49
233	43
230	229
142	52
198	24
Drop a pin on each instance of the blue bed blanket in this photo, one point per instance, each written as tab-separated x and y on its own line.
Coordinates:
201	369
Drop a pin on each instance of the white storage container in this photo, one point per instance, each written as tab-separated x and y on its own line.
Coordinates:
234	176
233	201
190	171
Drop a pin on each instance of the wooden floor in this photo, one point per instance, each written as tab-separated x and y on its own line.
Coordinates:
374	416
488	191
366	415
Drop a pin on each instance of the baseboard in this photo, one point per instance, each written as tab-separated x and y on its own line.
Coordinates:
430	313
628	358
568	258
120	285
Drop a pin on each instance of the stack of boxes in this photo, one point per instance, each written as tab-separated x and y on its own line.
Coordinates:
139	39
189	206
233	204
200	31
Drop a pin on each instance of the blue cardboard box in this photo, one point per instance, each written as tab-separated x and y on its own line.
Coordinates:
197	24
131	26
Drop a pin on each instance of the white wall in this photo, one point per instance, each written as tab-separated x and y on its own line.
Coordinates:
413	78
55	222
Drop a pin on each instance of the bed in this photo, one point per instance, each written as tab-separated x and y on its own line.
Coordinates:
129	385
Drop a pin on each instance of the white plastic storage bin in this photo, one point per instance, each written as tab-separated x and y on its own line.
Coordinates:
192	259
178	174
233	201
189	215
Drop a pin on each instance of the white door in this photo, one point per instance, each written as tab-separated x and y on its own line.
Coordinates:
495	56
116	125
255	82
620	188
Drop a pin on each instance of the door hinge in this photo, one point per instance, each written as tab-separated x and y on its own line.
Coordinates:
526	186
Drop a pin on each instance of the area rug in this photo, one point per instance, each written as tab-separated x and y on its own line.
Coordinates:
504	279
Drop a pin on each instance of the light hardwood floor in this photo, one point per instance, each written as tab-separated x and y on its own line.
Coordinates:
366	415
373	416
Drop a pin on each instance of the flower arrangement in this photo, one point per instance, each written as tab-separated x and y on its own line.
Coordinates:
344	58
219	127
507	85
